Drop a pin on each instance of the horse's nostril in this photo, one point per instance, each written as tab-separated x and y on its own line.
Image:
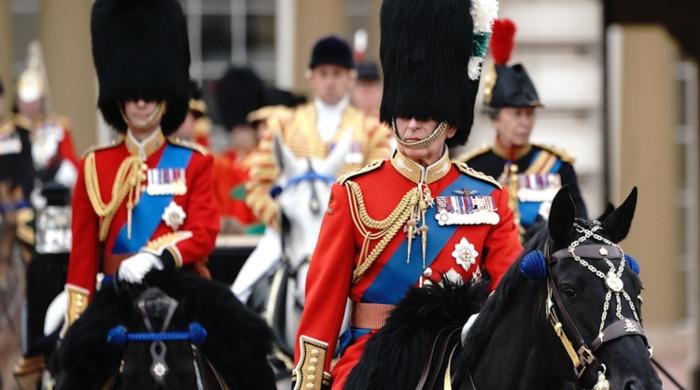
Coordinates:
634	385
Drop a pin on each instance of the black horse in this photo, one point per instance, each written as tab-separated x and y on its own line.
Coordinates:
544	326
175	331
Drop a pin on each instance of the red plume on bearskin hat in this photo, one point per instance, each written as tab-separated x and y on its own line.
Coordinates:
502	41
512	87
140	50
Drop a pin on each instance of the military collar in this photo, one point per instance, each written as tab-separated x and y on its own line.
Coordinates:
418	173
512	154
145	147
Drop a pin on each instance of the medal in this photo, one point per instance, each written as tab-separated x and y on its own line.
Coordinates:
466	209
166	181
465	254
174	215
538	187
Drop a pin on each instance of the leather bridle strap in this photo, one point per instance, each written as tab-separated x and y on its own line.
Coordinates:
618	329
580	354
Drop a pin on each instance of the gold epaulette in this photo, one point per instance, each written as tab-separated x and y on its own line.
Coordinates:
467	156
190	145
62	120
367	168
95	148
267	112
464	168
6	127
561	153
22	121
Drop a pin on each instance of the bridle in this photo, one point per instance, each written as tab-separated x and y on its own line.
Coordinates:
590	373
309	177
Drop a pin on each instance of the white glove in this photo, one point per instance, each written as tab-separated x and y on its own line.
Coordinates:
133	269
56	312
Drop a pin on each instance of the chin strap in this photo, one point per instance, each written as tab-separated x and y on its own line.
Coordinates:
424	143
152	120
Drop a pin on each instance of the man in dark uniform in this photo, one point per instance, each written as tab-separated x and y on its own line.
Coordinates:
532	173
145	202
417	218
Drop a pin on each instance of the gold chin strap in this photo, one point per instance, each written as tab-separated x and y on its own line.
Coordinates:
152	121
424	143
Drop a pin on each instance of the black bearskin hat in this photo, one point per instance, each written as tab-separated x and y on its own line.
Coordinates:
141	51
425	50
508	86
238	93
331	50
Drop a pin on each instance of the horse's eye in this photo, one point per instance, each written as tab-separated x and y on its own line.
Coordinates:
568	292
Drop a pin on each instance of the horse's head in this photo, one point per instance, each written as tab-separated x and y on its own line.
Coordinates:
303	193
593	299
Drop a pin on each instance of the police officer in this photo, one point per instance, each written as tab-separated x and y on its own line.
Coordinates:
417	218
533	173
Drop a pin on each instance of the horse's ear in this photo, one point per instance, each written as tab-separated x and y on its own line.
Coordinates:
609	208
286	160
618	223
332	164
561	216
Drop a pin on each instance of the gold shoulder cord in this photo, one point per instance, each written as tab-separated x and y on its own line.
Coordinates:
126	185
386	229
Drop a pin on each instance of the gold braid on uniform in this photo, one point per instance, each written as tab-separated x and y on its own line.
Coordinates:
385	230
126	185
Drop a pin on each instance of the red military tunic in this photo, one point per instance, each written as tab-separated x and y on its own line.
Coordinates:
177	222
466	216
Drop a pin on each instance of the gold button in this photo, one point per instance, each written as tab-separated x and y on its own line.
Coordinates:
309	385
311	369
314	360
314	352
311	377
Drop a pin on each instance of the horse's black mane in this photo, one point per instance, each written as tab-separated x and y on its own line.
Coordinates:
498	303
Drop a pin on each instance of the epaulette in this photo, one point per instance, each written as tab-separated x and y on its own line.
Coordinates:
22	121
188	144
465	157
361	171
464	168
96	148
268	112
561	153
61	120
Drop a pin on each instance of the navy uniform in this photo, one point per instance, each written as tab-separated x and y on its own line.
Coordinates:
532	173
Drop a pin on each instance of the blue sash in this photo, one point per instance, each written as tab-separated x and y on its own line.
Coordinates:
397	277
530	210
147	214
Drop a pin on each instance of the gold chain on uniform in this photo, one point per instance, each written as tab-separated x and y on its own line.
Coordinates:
386	229
126	185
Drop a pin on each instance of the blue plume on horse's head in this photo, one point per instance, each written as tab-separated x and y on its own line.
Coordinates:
534	266
632	263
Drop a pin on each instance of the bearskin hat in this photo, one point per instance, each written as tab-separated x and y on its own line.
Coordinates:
140	50
238	93
426	49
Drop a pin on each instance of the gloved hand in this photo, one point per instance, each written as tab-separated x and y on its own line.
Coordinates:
133	269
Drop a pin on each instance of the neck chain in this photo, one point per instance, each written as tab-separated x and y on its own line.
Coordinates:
613	279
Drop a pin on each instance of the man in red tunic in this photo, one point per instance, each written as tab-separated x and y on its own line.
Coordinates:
417	218
145	202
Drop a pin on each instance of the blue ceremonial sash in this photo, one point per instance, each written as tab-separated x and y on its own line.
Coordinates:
397	277
530	210
147	214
